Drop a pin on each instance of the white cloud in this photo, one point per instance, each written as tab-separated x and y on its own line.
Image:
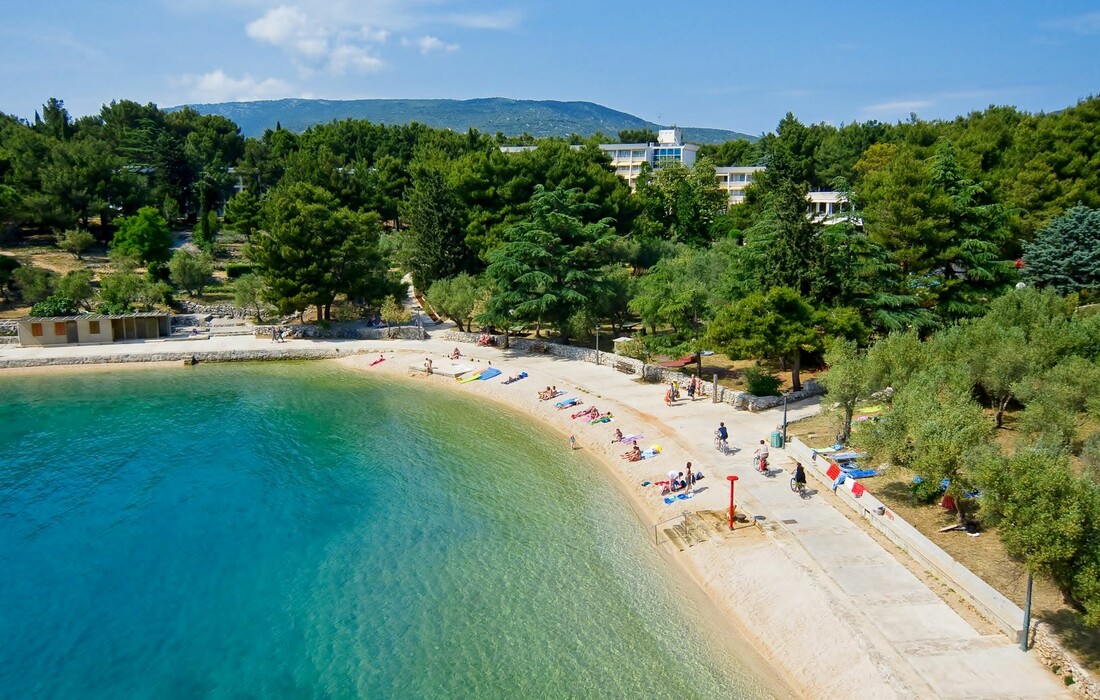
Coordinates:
373	34
290	28
502	19
897	108
1087	24
216	86
346	57
428	44
341	36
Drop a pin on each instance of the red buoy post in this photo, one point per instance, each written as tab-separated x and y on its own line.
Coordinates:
732	480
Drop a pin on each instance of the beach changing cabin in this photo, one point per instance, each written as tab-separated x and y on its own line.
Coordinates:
93	329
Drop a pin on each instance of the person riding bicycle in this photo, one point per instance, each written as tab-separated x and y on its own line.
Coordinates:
760	457
800	477
722	434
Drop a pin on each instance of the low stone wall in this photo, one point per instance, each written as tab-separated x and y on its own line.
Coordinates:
188	320
8	328
9	340
1054	656
647	372
276	353
344	332
223	310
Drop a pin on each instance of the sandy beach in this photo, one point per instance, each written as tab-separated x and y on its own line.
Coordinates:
828	609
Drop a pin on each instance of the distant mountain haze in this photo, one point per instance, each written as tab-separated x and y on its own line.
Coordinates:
540	118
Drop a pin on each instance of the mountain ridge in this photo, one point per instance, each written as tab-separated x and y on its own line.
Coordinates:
539	118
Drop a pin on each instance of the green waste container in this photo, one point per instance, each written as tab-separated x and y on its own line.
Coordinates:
777	439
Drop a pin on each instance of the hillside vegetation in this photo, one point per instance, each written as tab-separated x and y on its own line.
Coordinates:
491	115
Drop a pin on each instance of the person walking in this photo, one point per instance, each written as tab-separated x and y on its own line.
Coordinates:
691	388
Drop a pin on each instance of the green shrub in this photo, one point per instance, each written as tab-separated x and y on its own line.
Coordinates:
925	491
761	383
235	270
55	305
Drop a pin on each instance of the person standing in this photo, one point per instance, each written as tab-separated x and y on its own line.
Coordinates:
690	479
572	441
691	388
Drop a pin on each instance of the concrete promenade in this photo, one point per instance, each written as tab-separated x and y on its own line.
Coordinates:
820	598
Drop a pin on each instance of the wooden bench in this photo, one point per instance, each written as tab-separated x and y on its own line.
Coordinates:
625	367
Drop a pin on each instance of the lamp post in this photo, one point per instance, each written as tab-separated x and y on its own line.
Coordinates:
785	418
1027	615
733	480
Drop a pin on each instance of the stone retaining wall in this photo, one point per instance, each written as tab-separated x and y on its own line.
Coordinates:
343	332
9	340
8	328
276	353
647	372
223	310
1054	656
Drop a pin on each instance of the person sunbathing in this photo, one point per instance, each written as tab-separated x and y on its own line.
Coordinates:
600	418
586	413
618	436
634	455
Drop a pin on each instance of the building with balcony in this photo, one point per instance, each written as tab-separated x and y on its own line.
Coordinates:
627	158
735	179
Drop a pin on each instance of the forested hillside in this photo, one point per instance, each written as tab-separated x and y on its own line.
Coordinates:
492	115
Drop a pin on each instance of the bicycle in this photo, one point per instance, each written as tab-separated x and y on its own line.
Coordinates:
798	487
721	444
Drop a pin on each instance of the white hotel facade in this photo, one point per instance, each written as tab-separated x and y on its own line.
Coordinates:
627	160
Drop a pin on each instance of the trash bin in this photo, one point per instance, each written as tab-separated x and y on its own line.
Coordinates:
777	439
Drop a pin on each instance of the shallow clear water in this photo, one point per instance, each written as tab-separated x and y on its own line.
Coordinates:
301	531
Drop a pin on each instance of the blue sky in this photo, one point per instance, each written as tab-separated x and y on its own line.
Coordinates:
738	66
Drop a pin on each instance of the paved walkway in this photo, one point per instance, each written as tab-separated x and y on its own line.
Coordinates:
890	625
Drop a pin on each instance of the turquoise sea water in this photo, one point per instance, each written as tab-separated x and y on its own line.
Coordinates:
301	531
